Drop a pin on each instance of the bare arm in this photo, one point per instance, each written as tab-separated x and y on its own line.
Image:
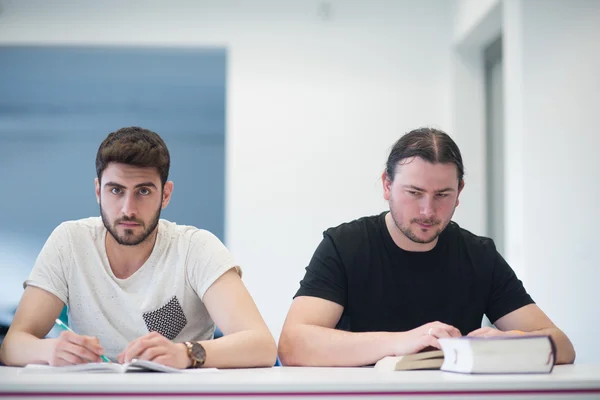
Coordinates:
247	341
33	320
309	338
530	319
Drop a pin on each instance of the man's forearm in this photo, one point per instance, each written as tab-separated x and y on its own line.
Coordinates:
245	349
20	348
565	352
310	345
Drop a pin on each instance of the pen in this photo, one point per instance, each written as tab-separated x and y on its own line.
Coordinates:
64	327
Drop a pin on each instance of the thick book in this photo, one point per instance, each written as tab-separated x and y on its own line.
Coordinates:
104	367
431	359
499	355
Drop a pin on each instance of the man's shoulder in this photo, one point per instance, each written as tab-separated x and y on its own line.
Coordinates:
359	228
92	225
470	239
184	233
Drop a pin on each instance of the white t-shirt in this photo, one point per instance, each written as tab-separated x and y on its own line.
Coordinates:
164	295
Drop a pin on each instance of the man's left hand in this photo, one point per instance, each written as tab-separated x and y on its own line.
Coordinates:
157	348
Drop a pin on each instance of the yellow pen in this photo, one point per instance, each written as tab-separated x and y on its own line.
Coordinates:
64	327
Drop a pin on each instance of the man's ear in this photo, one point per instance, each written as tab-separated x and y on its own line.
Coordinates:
461	186
97	185
387	185
167	192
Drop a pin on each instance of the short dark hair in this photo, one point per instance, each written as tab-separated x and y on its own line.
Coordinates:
432	145
134	146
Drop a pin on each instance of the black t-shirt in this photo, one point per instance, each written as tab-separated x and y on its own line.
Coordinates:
385	288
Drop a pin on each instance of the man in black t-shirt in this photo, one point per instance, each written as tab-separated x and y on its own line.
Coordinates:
392	284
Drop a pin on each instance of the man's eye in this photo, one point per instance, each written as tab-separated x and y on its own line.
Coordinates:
144	191
115	190
412	192
442	195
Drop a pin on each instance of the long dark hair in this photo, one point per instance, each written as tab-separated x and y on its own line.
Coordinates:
432	145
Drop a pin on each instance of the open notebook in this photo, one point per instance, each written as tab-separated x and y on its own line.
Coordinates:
133	366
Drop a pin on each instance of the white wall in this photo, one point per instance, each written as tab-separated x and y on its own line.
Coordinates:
314	104
468	18
561	104
476	23
551	64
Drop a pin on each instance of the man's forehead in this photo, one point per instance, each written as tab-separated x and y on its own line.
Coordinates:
123	173
426	168
426	175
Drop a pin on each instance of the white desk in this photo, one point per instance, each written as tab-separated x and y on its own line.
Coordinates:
565	382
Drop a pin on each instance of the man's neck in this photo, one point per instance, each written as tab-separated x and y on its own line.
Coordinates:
127	260
402	241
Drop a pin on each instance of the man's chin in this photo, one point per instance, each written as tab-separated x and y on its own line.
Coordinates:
129	240
424	239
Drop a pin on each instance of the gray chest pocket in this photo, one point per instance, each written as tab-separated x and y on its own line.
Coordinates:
168	320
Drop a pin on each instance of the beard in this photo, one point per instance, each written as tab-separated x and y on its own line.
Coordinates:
436	227
129	238
409	233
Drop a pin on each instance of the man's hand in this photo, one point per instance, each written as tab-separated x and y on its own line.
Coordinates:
490	332
70	348
157	348
424	336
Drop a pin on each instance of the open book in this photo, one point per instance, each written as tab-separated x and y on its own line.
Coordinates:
133	366
429	359
499	355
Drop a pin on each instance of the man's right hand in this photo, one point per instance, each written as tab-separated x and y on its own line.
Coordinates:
413	341
70	348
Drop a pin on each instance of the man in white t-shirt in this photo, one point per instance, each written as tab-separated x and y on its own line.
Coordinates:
137	286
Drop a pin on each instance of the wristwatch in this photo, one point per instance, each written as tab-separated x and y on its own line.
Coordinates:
196	353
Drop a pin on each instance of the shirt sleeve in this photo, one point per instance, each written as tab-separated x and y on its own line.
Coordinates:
508	293
208	259
50	271
325	275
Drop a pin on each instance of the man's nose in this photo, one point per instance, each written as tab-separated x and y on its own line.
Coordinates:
129	206
427	208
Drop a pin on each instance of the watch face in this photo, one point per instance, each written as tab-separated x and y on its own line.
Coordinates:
198	353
